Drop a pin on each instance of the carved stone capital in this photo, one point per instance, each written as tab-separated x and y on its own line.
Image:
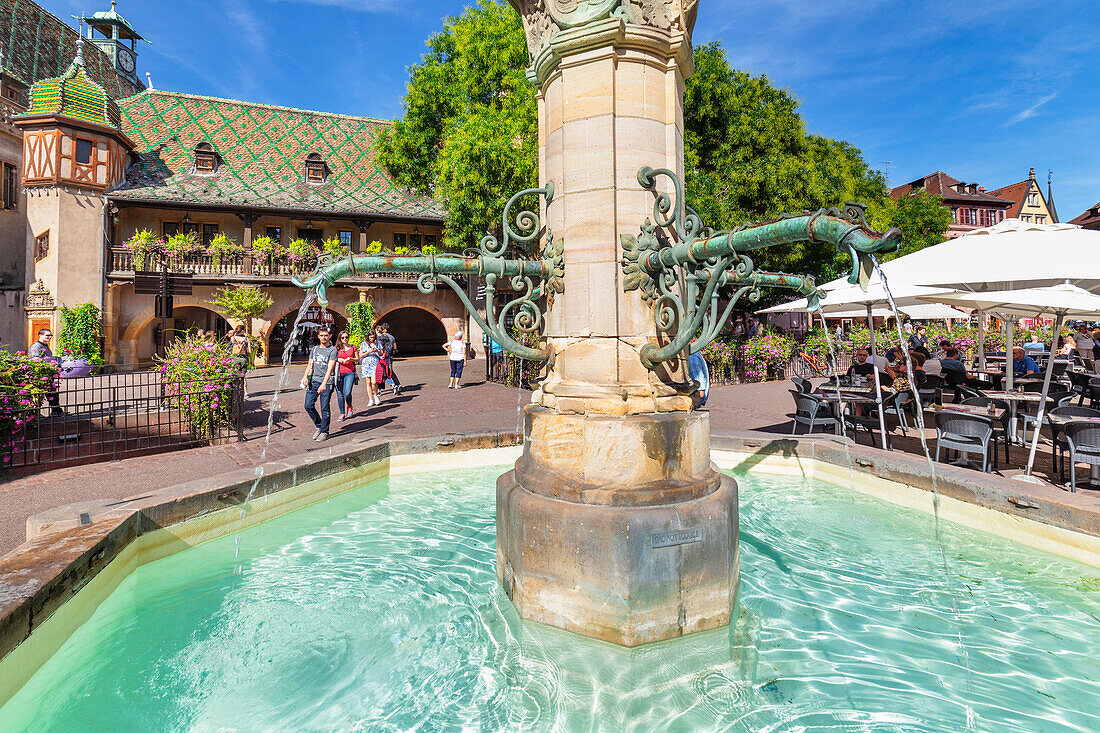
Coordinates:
543	20
39	301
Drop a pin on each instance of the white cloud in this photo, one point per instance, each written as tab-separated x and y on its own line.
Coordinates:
1029	112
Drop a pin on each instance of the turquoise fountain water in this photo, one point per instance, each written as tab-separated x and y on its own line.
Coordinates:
380	610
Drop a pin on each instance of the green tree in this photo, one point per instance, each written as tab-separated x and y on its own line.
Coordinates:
81	333
748	156
242	303
922	219
469	136
361	318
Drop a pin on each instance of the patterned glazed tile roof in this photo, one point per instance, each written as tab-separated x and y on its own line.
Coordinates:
74	95
262	151
37	45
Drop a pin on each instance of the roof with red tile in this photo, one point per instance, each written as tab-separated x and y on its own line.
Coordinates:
1015	192
942	185
1090	219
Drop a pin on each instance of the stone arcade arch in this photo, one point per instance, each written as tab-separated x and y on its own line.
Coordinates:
138	342
419	331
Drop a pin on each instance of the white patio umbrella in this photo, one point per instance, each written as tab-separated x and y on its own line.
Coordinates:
1060	301
921	312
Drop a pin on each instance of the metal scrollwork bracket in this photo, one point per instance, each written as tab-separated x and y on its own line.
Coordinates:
682	274
534	276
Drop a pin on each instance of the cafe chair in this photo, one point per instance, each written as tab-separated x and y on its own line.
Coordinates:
812	411
1059	447
898	404
803	385
1001	427
966	434
1083	439
1028	412
1093	392
968	393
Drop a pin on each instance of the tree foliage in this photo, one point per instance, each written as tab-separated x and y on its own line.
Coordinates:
81	333
921	217
242	303
469	136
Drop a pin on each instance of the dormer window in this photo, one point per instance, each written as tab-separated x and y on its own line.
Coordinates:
316	170
206	160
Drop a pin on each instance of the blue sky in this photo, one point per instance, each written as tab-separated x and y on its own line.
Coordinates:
982	89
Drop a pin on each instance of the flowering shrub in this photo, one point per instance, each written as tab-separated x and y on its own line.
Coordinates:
182	244
333	247
223	248
24	382
266	252
302	255
145	247
373	248
198	380
767	355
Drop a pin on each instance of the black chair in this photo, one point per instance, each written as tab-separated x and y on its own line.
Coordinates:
955	380
1058	445
802	384
1028	412
899	404
968	393
1083	439
1093	392
1033	387
966	434
812	411
1000	428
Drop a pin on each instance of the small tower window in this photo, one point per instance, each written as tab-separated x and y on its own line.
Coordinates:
83	153
42	246
316	170
206	160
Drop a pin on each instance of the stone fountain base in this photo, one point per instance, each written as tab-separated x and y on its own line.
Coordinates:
618	528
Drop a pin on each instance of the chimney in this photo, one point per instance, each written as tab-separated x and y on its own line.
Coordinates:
981	189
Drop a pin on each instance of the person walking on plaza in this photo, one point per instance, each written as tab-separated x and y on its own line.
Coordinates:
40	349
370	355
318	382
241	346
456	355
345	377
389	348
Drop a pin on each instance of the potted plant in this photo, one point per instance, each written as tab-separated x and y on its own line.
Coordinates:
79	340
145	247
334	248
223	248
266	252
182	245
302	255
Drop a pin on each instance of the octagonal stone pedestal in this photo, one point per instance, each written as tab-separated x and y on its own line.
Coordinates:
618	528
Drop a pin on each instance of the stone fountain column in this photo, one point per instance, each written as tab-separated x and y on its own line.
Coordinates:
614	523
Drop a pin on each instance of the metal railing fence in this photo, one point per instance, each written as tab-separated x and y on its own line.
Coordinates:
117	415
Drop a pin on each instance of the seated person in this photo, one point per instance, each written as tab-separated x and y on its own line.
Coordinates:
896	354
950	362
1022	364
942	350
864	366
917	375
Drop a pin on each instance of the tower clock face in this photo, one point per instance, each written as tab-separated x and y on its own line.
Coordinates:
126	61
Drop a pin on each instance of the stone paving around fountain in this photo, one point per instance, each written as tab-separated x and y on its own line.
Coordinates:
425	408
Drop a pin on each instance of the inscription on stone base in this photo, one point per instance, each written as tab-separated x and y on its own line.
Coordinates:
678	537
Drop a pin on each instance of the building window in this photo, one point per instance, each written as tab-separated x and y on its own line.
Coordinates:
276	234
82	152
429	240
169	229
311	235
206	159
11	187
400	239
316	170
15	92
344	235
1033	199
42	246
209	231
1040	219
955	216
972	217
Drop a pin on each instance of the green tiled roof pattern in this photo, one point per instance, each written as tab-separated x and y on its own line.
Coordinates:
37	45
74	95
262	150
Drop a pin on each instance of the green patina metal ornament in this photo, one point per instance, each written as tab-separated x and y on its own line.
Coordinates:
534	278
682	275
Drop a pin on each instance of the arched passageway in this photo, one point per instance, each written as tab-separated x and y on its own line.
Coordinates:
417	331
315	317
185	321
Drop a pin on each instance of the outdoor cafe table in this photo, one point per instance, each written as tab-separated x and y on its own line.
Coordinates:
1012	398
974	410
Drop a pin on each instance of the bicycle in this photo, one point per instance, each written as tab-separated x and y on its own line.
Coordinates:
813	366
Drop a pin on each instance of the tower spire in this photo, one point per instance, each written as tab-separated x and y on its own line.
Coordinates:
79	60
1050	198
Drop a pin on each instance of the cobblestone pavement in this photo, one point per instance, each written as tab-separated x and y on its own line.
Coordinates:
425	407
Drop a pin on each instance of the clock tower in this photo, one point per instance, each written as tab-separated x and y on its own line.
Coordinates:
116	38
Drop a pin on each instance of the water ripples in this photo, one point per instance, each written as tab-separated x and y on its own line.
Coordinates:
379	610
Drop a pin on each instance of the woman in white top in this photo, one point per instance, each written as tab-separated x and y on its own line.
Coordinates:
456	354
